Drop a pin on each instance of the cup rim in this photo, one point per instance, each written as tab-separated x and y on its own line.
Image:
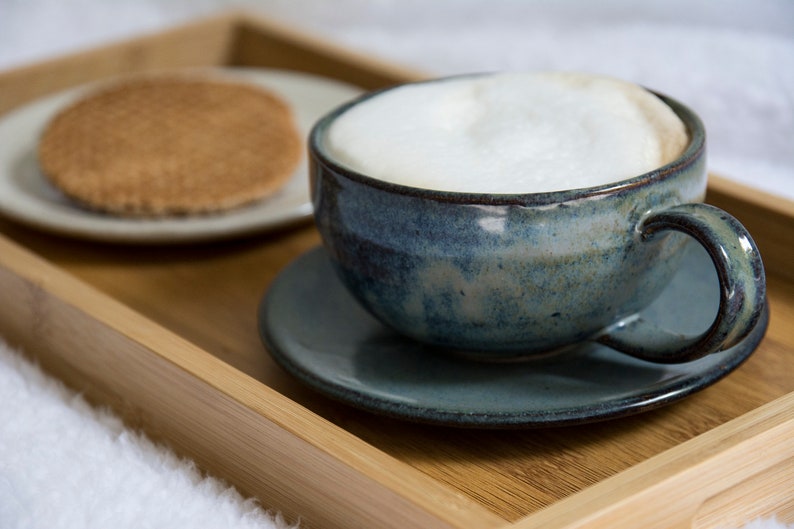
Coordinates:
691	154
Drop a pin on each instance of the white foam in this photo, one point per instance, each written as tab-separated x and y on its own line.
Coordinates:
509	133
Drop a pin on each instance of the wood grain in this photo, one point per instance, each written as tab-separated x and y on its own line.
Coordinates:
696	484
167	335
200	43
231	424
260	42
209	295
769	218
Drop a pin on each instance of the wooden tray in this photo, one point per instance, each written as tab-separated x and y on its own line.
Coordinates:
168	338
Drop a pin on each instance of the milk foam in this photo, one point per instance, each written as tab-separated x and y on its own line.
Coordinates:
508	133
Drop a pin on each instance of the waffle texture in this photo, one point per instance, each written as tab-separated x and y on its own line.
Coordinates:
171	145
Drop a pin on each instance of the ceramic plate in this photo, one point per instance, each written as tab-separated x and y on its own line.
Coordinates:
28	198
317	332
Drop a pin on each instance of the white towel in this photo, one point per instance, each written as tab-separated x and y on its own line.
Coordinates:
66	465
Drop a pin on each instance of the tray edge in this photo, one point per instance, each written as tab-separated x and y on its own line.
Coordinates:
173	389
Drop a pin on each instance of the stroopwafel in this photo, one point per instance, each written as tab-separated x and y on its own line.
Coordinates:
163	145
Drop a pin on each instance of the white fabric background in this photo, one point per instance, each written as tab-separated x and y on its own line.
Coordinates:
65	465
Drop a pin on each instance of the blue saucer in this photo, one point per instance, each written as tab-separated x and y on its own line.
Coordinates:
318	333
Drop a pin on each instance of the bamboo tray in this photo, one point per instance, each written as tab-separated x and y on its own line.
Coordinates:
168	338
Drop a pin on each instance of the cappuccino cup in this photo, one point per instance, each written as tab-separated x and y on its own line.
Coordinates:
507	215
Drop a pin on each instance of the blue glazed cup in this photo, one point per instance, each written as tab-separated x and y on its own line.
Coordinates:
501	277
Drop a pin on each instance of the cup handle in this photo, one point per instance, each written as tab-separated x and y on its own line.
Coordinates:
742	288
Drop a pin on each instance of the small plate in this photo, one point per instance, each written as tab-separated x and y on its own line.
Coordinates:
27	197
317	332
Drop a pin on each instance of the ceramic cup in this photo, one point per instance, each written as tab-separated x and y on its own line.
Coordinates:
502	277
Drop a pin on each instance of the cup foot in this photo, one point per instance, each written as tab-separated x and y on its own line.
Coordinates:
517	357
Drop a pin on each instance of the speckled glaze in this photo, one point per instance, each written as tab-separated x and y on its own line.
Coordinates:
506	276
316	331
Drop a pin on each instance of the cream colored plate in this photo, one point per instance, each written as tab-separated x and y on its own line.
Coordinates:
27	197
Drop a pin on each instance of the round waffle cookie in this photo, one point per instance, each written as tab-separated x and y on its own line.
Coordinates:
171	145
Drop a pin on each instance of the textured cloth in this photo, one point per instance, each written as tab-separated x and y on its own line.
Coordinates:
66	465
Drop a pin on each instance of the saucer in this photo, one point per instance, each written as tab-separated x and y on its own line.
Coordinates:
317	332
27	197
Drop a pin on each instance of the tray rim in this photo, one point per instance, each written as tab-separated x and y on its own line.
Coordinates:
382	484
119	333
394	493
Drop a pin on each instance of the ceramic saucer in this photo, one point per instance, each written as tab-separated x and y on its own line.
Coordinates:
317	332
27	197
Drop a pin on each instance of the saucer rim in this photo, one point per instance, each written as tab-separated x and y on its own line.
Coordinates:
532	418
46	210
